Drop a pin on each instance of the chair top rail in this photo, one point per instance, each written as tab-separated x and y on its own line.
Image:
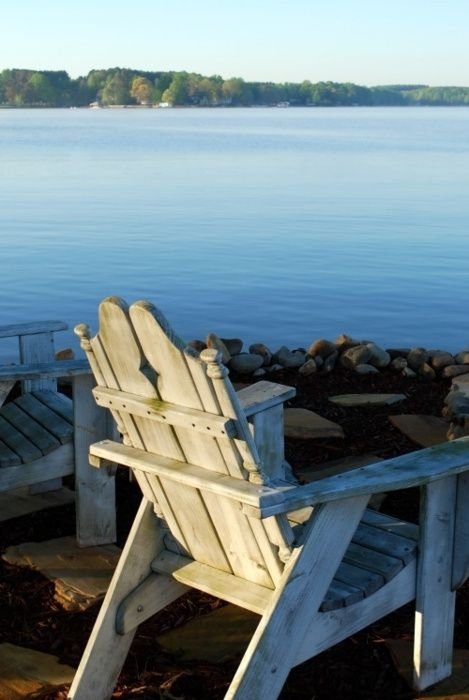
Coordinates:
413	469
32	328
58	368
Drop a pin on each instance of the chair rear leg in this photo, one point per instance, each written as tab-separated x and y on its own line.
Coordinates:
106	650
435	601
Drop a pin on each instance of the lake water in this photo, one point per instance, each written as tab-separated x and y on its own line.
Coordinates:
274	225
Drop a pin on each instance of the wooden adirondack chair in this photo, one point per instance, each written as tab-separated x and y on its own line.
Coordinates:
312	561
44	436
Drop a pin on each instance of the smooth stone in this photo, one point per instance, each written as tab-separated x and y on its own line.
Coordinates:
441	359
344	342
287	358
259	372
397	352
454	370
213	341
461	382
233	345
408	372
226	632
26	673
358	355
366	369
302	423
462	358
275	368
197	345
263	351
309	367
320	360
65	354
321	347
416	358
80	575
423	430
426	371
246	363
352	400
378	357
399	363
329	363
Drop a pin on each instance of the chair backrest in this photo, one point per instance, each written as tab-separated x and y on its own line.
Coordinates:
141	365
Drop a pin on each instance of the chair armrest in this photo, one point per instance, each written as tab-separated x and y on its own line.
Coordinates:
413	469
32	328
59	368
263	395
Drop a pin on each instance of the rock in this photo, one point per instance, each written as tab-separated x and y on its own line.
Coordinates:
233	345
263	351
259	372
344	342
213	341
308	368
322	348
399	363
366	369
407	372
426	371
287	358
356	400
423	430
416	358
462	358
65	354
454	370
440	359
302	423
378	357
275	368
329	363
246	363
320	361
27	673
197	345
357	355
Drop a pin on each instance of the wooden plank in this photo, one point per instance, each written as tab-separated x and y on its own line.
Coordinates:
461	534
263	395
166	412
367	581
391	524
57	426
8	458
435	601
385	542
59	403
269	439
340	594
179	472
37	370
55	465
370	560
406	471
34	349
32	328
17	442
36	433
218	583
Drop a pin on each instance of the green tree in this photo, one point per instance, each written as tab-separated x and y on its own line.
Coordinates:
116	90
141	90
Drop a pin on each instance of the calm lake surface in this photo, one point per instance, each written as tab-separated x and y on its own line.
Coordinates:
273	225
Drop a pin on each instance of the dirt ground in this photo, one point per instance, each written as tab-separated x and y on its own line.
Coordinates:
360	667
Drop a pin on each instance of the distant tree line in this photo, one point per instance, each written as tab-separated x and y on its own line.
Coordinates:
123	86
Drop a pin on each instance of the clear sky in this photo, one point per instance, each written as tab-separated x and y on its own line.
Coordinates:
368	42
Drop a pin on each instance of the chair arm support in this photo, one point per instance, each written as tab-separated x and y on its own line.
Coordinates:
413	469
263	395
33	328
58	368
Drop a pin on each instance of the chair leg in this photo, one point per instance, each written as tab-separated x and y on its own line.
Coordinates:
274	646
94	488
435	601
106	650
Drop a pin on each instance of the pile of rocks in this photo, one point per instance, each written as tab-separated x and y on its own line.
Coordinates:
361	356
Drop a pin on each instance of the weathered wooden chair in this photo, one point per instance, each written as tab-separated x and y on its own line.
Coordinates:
44	436
312	561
